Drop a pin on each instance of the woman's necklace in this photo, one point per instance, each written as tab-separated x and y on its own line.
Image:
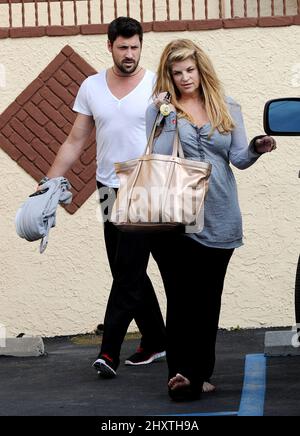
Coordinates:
131	75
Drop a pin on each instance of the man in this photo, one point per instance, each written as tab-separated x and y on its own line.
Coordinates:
115	102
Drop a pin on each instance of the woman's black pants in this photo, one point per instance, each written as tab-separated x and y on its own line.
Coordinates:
193	276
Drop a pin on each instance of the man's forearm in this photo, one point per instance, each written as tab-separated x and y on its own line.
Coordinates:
73	146
65	159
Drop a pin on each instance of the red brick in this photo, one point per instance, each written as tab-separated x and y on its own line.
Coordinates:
37	98
68	114
73	89
71	208
62	78
75	181
8	113
37	130
54	146
170	26
73	190
93	29
296	19
147	27
7	131
27	32
60	91
43	150
57	134
29	92
52	114
62	30
36	114
48	95
82	65
73	72
67	128
21	130
21	115
89	155
78	168
89	173
4	32
193	25
42	164
67	50
275	21
85	193
22	145
52	67
9	148
234	23
36	173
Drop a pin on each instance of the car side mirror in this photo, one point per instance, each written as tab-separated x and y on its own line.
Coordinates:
282	117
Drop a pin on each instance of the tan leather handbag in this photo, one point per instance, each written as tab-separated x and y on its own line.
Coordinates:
160	192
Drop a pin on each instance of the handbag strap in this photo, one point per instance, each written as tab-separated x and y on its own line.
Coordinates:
179	150
177	146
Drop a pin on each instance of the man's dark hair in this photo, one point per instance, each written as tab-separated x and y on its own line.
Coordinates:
125	27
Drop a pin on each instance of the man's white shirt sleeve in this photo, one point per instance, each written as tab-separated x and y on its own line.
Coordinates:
81	104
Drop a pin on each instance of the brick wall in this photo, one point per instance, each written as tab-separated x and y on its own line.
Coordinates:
34	126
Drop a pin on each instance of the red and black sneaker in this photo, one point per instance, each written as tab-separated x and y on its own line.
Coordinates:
105	366
143	357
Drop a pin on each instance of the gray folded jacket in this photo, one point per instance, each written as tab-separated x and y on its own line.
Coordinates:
37	215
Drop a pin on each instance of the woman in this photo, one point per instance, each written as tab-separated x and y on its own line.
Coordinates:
211	128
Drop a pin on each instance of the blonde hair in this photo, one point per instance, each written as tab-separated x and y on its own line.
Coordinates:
210	86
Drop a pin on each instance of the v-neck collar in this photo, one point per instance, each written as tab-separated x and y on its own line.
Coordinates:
119	100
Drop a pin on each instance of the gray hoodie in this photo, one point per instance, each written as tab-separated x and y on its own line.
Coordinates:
37	215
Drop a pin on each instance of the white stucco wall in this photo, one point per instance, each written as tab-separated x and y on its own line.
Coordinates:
65	290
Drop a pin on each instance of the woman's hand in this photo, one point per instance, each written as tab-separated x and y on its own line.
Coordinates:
161	99
265	145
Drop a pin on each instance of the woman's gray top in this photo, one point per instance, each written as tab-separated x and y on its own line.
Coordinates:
222	216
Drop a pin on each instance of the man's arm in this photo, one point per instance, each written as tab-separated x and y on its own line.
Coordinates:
72	148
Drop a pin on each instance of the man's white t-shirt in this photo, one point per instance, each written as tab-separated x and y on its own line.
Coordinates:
120	124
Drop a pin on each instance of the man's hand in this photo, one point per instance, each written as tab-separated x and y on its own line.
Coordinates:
265	145
39	187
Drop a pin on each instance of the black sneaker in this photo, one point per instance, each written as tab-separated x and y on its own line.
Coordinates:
142	357
105	366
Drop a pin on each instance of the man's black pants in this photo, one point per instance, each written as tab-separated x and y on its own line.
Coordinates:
132	295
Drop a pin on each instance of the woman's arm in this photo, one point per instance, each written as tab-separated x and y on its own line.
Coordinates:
242	155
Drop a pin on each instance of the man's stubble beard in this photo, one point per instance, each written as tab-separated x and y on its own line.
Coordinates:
127	70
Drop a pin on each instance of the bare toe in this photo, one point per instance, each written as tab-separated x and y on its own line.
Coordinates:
178	382
208	387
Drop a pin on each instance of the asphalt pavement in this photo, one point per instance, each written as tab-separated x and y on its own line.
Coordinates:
63	383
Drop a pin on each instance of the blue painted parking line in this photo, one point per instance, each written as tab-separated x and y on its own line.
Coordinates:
209	414
254	389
